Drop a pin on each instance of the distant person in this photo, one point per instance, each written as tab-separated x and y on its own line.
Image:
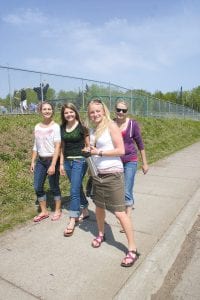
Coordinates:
108	186
132	137
23	101
75	137
33	107
41	91
45	161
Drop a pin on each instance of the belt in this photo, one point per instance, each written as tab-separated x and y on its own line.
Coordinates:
105	175
43	158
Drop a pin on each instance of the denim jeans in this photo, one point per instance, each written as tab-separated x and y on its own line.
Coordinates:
130	169
40	175
76	169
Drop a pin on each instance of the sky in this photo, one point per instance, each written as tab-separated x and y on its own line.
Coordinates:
152	45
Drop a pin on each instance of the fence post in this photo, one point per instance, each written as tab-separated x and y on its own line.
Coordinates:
9	86
110	98
41	87
83	99
131	102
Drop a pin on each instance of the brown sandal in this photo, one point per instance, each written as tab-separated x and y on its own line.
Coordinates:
96	243
132	256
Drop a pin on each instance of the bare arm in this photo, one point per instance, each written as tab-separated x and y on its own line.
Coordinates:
62	170
56	154
145	166
34	156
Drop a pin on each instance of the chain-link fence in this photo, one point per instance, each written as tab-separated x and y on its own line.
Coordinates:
63	88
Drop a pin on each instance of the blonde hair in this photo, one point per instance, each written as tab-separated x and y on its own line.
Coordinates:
121	101
106	118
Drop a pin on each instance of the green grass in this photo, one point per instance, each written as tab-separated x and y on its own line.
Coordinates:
162	137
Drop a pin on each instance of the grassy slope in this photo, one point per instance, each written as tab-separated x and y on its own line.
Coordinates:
162	137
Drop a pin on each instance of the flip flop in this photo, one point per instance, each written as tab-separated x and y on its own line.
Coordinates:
69	232
40	218
56	216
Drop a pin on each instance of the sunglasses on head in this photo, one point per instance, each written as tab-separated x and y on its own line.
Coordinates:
124	110
96	101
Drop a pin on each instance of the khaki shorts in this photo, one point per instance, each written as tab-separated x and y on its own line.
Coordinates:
108	191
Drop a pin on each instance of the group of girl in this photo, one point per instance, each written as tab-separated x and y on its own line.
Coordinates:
58	150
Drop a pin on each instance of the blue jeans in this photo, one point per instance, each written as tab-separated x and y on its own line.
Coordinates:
76	169
40	175
130	169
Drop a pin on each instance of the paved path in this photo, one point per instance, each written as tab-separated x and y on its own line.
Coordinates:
37	262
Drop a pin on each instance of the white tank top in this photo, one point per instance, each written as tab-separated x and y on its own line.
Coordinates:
106	164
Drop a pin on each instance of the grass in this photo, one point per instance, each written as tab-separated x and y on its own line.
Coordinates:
162	137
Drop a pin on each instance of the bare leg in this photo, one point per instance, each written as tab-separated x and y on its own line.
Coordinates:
100	216
44	212
128	228
58	206
43	206
129	211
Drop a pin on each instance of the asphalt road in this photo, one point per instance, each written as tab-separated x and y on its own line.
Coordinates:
183	279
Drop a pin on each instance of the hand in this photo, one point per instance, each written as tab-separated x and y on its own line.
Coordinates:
145	168
86	152
51	170
62	170
94	150
32	167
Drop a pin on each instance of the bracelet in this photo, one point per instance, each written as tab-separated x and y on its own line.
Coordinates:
100	153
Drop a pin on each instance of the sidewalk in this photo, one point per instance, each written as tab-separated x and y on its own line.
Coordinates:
38	262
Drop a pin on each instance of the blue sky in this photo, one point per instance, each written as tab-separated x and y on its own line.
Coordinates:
151	45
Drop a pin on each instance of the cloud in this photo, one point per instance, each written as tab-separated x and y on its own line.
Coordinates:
118	49
28	16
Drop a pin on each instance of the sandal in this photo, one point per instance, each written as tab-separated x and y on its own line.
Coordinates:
56	216
40	218
82	218
96	243
130	258
68	231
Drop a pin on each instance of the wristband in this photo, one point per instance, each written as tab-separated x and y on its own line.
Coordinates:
100	153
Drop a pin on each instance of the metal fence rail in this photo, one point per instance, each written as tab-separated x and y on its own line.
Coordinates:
80	90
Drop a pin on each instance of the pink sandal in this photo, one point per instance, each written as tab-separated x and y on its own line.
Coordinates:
40	218
96	243
131	256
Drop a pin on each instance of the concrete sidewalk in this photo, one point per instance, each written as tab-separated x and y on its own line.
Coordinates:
38	262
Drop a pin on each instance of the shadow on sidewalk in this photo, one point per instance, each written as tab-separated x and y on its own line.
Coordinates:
90	225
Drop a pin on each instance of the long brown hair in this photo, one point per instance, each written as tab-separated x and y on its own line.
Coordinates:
72	107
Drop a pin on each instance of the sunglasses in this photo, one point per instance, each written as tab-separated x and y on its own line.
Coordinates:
124	110
96	101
